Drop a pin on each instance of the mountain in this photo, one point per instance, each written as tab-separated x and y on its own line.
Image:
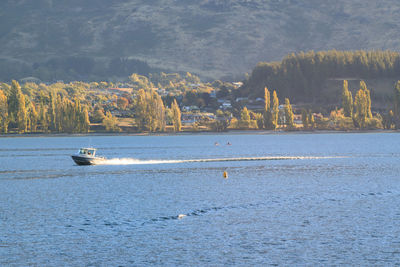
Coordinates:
212	38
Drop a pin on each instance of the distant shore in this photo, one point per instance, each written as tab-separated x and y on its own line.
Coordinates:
230	132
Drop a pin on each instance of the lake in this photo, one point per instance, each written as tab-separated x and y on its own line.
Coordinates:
290	199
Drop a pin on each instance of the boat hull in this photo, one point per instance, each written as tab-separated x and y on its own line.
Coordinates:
84	160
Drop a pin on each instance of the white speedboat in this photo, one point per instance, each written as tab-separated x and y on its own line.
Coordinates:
87	156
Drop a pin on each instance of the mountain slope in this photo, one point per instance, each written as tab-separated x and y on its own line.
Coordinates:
213	38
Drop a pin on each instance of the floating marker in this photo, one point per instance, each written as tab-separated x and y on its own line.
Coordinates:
181	216
225	174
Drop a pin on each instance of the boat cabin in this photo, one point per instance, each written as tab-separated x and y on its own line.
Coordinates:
91	152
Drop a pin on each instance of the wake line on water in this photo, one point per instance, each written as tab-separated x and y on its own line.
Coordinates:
132	161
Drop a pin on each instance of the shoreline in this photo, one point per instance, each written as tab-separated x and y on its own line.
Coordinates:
230	132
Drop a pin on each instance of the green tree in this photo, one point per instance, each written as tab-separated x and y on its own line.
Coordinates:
275	110
289	117
347	100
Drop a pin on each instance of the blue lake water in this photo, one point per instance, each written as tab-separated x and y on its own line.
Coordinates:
294	199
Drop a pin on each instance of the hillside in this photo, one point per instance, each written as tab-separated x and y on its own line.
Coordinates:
316	78
77	39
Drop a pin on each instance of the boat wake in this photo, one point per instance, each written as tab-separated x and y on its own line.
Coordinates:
132	161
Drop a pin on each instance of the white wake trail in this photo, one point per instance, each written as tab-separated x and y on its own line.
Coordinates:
132	161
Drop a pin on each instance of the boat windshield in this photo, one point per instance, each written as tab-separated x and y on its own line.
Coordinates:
85	151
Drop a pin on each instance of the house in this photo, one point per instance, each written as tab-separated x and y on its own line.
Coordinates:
225	104
190	118
240	99
237	84
30	80
191	109
120	91
213	94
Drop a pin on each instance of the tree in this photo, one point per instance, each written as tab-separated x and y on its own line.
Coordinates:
33	118
289	117
176	115
311	119
98	115
363	87
388	120
110	123
275	110
347	100
149	111
396	110
4	120
259	120
122	103
43	120
85	120
304	119
141	110
360	109
16	107
268	124
53	113
22	114
159	112
244	118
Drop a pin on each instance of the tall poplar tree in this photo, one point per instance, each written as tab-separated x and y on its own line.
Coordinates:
16	107
363	87
176	115
360	109
289	117
149	111
311	119
52	113
141	110
347	100
267	114
245	118
33	118
43	120
304	119
275	110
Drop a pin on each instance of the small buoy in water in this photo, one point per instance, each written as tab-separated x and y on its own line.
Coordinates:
225	174
216	143
181	216
228	144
